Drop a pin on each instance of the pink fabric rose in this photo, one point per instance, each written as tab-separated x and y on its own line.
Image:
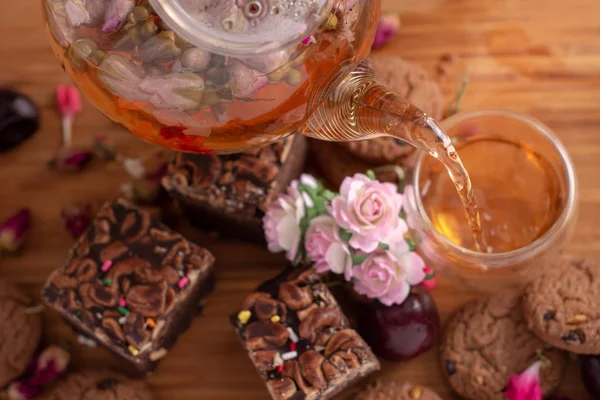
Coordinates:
387	277
525	386
368	209
325	247
282	223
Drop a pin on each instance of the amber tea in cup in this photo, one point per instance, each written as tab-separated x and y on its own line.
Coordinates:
525	187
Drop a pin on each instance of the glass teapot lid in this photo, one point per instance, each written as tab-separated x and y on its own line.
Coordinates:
243	27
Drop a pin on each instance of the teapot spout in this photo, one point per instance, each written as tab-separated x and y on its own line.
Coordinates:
352	104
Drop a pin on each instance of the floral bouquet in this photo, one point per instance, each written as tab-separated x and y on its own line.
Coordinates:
359	233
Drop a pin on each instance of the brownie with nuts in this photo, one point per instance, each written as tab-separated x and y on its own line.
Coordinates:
131	284
230	193
299	340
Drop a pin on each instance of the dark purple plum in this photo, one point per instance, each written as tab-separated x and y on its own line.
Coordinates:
400	332
19	119
590	374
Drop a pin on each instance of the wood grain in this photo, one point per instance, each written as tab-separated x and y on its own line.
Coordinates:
540	57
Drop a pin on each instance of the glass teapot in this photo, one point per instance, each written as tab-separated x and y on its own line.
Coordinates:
223	76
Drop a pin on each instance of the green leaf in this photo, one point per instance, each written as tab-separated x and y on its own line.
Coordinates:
371	175
411	244
384	246
345	236
320	186
328	195
308	189
358	259
300	254
320	205
402	214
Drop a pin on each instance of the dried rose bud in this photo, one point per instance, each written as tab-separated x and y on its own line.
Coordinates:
525	386
69	105
22	391
14	230
429	282
69	159
104	148
387	30
50	364
246	81
76	218
116	12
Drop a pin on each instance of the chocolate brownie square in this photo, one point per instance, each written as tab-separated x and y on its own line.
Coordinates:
230	193
299	340
131	284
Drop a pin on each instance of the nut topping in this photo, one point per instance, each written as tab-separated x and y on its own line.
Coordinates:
302	314
249	301
266	308
135	330
264	359
113	251
265	335
317	320
291	369
295	297
283	388
334	368
343	340
310	367
103	296
148	300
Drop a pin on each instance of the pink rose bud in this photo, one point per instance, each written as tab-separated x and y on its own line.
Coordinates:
76	218
116	12
69	159
525	386
22	391
387	30
246	81
309	40
429	284
50	364
14	230
69	105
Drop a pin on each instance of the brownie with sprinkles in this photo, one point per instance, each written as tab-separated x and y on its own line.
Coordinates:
230	193
299	340
131	284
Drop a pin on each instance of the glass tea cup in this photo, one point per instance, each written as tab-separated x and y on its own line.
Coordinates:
490	271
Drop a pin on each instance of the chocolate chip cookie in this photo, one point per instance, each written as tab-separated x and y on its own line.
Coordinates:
562	307
95	385
396	390
487	341
20	331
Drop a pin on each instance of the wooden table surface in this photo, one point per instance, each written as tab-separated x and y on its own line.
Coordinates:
541	57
